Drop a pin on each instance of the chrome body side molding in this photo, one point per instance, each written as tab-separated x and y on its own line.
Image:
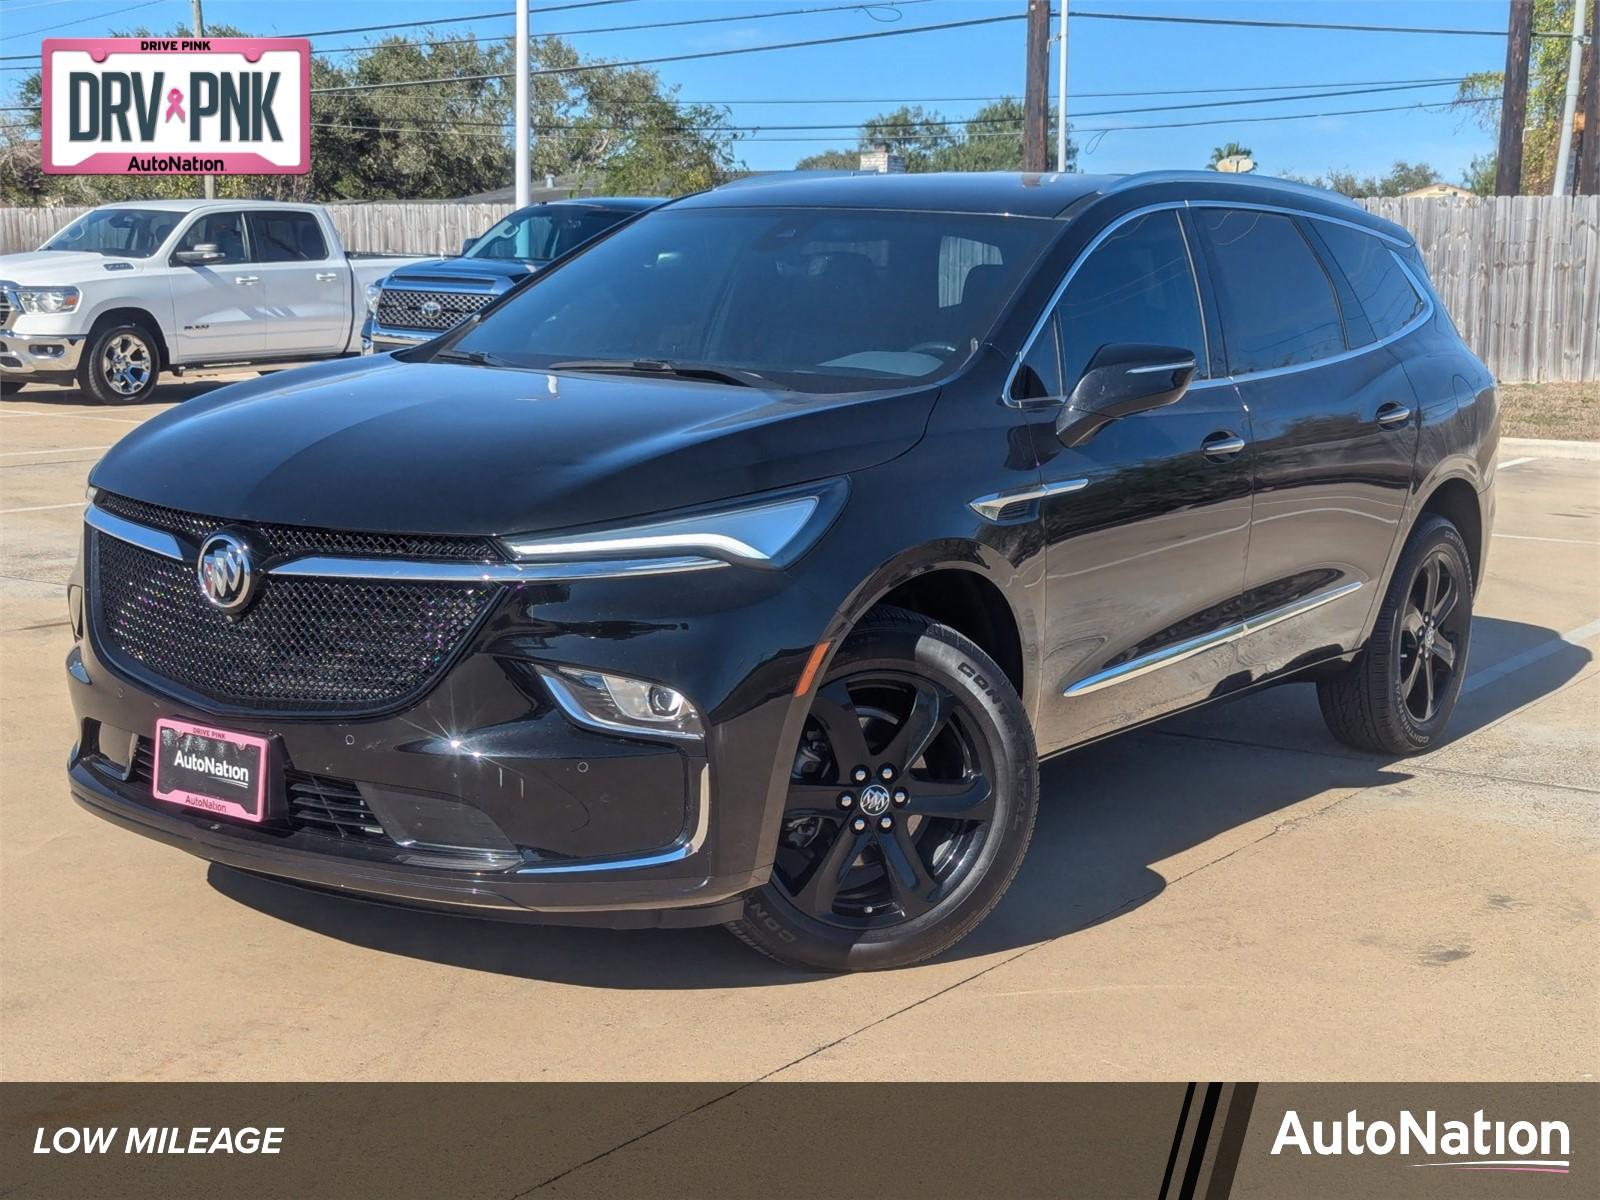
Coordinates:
1179	651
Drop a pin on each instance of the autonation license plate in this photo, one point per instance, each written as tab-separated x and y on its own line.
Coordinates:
212	769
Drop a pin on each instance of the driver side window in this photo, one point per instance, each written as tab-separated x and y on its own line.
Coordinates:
1137	286
223	230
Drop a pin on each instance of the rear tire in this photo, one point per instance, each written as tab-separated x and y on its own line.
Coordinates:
1397	697
928	739
120	365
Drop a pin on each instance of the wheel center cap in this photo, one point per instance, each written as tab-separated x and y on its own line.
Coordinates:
875	800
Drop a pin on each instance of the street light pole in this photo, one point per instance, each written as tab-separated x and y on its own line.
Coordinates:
1061	93
520	167
200	32
1569	107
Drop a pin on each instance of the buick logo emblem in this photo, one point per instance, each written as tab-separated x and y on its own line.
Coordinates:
431	308
225	572
875	800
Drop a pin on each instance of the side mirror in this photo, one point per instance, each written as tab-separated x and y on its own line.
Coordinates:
1122	380
205	252
466	246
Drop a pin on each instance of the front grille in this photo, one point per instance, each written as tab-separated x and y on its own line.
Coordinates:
317	803
332	806
5	309
402	308
306	645
297	540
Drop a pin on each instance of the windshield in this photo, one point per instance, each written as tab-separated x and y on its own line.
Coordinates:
814	299
126	232
541	234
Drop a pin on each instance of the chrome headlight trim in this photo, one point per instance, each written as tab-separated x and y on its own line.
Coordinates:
762	533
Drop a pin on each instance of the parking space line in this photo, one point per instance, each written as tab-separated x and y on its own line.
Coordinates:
11	414
1573	637
58	450
1528	537
5	512
1515	462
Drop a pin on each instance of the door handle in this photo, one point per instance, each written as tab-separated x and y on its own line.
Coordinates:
327	276
1222	444
247	280
1392	415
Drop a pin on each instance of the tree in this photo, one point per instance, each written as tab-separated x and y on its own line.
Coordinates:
1478	96
1230	150
989	140
1478	177
830	160
1403	177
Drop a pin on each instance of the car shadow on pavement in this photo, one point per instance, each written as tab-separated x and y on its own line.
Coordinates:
1109	812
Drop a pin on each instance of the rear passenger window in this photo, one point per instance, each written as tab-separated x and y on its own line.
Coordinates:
1136	286
1380	286
1278	306
287	237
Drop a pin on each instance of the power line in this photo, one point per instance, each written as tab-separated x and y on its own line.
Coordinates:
896	137
890	5
669	58
1259	24
81	21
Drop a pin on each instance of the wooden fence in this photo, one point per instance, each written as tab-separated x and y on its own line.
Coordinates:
1519	274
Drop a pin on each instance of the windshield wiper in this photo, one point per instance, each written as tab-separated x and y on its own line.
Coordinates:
478	358
736	376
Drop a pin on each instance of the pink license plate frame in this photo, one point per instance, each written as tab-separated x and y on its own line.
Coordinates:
220	747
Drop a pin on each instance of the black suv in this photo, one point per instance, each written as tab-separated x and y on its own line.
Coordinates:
741	567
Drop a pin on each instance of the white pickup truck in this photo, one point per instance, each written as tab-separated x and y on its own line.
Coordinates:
130	290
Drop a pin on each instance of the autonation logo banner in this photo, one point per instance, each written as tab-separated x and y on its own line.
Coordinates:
177	106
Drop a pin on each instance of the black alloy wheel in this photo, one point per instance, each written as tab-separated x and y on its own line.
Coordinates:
1431	629
909	802
1397	696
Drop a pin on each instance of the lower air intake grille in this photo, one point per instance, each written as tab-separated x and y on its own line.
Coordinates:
331	806
305	645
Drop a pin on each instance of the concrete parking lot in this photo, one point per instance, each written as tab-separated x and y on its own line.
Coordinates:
1228	895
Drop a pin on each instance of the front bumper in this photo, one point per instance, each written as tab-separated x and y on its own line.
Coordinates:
29	356
568	824
380	339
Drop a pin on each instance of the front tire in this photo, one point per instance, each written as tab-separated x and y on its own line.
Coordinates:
1397	697
911	803
120	365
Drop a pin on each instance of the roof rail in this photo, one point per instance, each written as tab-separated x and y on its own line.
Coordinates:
1226	178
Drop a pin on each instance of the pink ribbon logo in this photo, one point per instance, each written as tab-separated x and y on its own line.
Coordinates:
175	105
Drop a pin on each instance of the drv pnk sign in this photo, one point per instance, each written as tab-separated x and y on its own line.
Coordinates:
177	106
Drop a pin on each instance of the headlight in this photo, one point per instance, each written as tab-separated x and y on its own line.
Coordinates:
619	704
374	290
48	300
767	534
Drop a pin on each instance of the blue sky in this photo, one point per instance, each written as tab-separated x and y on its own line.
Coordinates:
1104	56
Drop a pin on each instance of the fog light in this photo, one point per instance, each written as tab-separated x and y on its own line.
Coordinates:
616	703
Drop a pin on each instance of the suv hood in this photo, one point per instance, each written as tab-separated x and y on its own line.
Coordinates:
379	445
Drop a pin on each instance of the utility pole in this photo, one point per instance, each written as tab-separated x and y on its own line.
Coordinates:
200	32
1569	106
1589	154
1061	93
1036	93
1514	100
520	161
